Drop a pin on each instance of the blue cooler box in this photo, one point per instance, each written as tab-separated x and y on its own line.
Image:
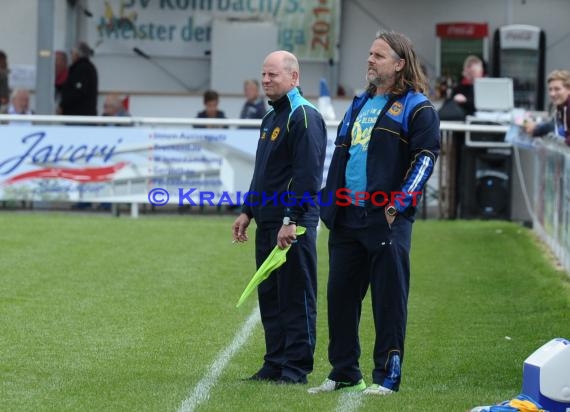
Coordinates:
546	375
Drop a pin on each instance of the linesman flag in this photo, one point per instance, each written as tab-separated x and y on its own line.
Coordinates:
275	260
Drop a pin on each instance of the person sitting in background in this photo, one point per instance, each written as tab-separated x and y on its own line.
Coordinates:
463	93
211	101
559	92
113	106
61	72
254	106
4	89
20	102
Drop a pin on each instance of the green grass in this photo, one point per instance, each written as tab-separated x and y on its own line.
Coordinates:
99	313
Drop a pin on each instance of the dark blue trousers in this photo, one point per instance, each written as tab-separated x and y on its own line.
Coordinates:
288	305
376	256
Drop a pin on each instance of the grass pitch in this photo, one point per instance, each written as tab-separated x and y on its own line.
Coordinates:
99	313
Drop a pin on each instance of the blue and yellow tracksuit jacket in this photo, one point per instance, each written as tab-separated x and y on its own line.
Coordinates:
402	152
288	164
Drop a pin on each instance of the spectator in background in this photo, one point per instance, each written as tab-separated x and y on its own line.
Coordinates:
20	102
473	68
559	92
61	72
4	89
211	101
462	105
113	106
254	106
79	92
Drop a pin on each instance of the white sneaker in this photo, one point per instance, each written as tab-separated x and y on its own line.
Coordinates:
330	386
376	389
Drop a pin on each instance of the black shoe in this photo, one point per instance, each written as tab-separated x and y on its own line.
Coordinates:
265	376
287	380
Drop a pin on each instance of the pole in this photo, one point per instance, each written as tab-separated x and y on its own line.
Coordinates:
45	71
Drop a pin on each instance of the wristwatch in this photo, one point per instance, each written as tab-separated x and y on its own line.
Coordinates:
287	221
391	211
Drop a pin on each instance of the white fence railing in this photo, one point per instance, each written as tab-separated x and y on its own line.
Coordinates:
225	153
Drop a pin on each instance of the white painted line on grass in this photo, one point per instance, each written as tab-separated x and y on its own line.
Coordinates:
349	401
202	390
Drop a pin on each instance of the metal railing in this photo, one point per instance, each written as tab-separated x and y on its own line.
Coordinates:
550	214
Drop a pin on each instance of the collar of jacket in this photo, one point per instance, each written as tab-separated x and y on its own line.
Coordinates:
566	103
562	114
357	104
285	101
79	62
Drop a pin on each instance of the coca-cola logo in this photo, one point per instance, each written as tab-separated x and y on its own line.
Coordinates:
461	31
464	30
518	35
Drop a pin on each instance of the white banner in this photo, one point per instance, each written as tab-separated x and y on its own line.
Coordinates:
183	28
124	164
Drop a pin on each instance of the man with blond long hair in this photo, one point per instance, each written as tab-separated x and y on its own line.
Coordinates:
385	151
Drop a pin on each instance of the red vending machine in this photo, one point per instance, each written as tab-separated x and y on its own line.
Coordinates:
519	53
456	41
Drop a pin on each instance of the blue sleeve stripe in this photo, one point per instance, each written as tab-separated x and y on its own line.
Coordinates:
421	172
425	165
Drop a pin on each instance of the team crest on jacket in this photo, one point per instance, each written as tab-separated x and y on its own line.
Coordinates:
396	109
275	133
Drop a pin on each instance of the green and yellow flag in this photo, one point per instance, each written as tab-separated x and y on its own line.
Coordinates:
275	259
